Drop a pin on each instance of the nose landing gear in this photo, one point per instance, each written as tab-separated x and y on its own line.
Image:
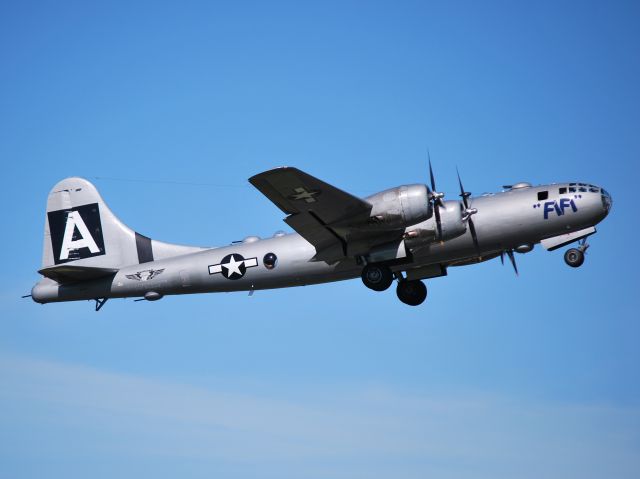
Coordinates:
574	257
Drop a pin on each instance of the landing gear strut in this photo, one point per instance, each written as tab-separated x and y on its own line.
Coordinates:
377	277
411	292
574	257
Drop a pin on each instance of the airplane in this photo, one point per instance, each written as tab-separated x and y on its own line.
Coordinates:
408	234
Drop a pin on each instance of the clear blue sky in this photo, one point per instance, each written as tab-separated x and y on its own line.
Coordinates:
170	107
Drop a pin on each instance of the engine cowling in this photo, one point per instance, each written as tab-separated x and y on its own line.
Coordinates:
400	207
452	226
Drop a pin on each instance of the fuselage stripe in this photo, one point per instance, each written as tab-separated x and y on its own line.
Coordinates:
145	251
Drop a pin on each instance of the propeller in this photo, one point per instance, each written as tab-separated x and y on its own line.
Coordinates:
511	257
468	213
436	199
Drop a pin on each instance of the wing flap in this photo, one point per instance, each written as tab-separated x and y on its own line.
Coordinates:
330	247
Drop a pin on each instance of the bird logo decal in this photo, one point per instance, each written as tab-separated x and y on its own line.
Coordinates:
145	275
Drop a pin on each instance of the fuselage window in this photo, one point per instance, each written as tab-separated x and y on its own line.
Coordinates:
562	191
543	195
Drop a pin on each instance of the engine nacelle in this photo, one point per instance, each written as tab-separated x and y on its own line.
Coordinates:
400	207
451	223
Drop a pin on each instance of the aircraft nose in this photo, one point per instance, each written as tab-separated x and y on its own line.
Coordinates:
607	201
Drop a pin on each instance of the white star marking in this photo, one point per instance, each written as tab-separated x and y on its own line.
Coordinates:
233	266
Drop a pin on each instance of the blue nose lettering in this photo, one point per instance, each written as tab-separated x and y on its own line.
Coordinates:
559	207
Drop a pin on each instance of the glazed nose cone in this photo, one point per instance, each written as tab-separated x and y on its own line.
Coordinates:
607	201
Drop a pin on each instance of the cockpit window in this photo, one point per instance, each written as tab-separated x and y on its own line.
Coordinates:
582	189
562	191
593	190
543	195
572	189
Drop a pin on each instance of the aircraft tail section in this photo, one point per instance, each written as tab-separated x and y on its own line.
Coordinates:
83	239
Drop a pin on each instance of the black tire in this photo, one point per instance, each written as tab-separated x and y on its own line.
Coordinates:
574	257
377	277
412	293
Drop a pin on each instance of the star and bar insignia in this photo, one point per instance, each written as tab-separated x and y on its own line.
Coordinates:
302	193
233	266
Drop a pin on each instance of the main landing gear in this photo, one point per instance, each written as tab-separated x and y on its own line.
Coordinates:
411	292
574	257
379	277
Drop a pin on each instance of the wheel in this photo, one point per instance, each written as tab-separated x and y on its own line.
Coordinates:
377	277
412	293
574	257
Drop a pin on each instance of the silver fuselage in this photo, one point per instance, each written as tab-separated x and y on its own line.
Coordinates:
503	221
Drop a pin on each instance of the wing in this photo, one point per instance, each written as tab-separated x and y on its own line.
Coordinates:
295	192
319	212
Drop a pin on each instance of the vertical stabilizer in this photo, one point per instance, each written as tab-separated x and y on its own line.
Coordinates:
81	231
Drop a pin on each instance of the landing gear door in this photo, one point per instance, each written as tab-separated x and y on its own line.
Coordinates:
388	252
556	242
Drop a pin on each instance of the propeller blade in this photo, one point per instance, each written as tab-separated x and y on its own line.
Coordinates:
463	194
469	211
433	181
474	236
513	261
437	202
436	210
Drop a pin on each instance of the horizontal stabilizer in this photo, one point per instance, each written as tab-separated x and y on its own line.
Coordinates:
69	274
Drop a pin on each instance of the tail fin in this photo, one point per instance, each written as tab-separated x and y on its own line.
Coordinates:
82	233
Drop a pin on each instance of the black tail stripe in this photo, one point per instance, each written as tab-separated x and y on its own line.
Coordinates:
143	245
